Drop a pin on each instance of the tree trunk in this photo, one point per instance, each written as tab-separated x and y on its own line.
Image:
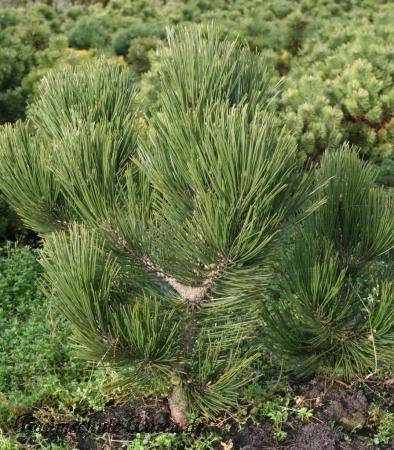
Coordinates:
178	406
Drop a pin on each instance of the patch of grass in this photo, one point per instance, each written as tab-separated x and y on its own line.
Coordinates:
36	364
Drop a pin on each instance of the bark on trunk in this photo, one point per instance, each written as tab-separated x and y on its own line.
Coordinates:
178	406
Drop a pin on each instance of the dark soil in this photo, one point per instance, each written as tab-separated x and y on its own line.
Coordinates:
344	407
338	423
311	436
120	422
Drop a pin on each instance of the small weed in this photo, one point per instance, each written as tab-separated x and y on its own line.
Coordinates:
150	441
273	401
280	414
185	440
383	422
304	413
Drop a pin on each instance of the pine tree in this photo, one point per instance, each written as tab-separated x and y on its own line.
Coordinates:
335	312
159	228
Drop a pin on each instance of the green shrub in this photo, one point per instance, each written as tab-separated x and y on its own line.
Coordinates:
138	53
75	11
121	12
176	225
340	89
122	39
16	59
23	33
87	33
308	114
336	311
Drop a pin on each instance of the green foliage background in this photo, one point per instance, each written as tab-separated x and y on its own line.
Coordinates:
335	57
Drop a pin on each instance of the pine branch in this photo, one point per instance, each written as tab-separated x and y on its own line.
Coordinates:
195	295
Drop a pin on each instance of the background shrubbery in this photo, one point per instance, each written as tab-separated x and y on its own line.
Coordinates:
335	58
22	35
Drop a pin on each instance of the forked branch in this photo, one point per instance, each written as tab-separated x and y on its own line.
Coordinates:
193	294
